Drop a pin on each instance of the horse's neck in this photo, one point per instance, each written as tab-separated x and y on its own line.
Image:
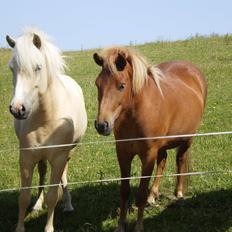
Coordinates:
142	104
47	103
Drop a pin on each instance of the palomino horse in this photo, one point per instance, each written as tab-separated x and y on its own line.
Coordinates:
49	109
137	100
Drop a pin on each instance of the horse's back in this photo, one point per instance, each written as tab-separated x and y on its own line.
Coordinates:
186	73
185	90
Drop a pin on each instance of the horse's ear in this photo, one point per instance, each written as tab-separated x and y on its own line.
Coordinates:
36	41
98	59
10	41
120	62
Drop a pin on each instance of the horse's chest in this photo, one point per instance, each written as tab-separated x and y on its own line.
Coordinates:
132	134
58	132
36	137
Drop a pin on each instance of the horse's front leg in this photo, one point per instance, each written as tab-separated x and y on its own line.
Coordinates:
42	169
26	171
125	167
57	168
148	161
161	161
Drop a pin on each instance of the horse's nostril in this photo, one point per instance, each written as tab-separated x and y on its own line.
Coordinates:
101	127
18	112
23	108
106	125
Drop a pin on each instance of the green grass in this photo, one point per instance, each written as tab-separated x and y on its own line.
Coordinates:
208	199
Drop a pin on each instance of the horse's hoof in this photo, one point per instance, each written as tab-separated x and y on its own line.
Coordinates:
121	228
20	229
68	209
151	199
138	228
49	229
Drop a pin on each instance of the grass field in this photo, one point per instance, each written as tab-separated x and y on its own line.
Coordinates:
208	204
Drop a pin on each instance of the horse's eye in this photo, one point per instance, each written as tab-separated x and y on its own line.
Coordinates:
121	86
38	68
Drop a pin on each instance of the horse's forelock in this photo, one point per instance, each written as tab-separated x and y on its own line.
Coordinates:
27	55
23	56
140	67
110	57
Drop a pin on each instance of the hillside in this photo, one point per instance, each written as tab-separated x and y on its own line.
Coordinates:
209	198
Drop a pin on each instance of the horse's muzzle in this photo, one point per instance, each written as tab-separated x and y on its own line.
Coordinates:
103	128
19	114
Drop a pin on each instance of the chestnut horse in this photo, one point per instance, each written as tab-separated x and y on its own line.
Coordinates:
136	99
49	109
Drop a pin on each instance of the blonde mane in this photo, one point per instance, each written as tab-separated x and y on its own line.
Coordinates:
27	56
140	66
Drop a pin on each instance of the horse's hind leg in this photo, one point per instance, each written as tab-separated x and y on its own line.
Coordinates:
181	161
26	171
161	161
67	200
42	169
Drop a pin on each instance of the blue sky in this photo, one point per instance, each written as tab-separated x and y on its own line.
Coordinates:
87	24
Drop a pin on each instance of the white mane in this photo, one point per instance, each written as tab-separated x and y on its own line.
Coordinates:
27	56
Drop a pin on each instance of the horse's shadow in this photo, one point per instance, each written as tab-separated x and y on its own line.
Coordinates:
93	205
205	212
8	211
